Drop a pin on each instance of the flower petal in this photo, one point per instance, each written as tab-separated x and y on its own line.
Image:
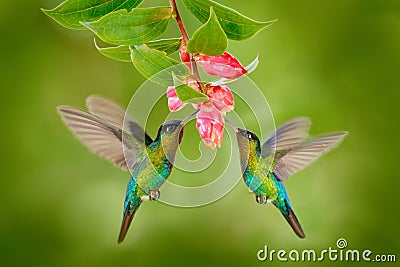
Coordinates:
210	124
221	97
225	65
184	55
174	103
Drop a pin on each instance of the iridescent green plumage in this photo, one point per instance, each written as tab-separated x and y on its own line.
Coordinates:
285	152
154	164
109	132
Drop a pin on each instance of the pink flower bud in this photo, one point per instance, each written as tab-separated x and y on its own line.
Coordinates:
174	103
225	65
185	56
221	97
210	125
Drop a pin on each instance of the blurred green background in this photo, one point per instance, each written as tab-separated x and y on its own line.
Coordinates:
337	62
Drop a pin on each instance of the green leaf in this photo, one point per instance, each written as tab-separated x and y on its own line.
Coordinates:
123	53
169	46
236	26
120	53
131	28
70	12
209	39
150	62
187	94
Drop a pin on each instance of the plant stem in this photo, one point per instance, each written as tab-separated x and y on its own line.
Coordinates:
196	74
185	36
179	21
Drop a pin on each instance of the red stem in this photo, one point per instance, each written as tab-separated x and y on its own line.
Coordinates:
179	21
185	36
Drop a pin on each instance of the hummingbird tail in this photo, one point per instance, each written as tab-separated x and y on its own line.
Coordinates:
126	222
292	220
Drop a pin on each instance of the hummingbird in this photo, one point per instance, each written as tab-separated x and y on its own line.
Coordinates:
108	131
285	152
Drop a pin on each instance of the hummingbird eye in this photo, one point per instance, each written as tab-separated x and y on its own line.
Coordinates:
169	128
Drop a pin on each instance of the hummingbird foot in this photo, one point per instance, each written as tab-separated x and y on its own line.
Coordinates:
154	195
145	198
262	199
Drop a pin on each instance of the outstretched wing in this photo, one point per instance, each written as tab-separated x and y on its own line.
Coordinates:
288	135
102	137
114	114
288	162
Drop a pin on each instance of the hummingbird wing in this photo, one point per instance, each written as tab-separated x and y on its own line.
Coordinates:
116	115
288	162
288	135
101	137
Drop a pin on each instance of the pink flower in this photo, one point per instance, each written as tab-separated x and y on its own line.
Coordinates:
210	120
210	124
174	103
224	65
184	55
221	97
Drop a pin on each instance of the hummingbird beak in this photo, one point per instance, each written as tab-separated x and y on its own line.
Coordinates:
234	127
187	118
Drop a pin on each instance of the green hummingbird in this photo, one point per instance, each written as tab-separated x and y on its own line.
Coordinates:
108	131
286	151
